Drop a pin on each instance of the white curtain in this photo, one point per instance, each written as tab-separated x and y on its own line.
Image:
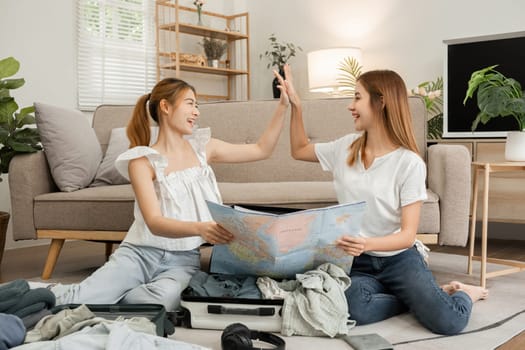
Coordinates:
116	51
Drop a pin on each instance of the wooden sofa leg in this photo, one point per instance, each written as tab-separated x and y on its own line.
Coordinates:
52	257
109	249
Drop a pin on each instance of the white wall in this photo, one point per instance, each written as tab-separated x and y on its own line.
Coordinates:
403	35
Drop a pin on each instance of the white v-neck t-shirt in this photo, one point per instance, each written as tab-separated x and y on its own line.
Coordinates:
392	181
182	194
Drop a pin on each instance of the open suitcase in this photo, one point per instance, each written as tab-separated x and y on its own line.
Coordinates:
156	313
219	312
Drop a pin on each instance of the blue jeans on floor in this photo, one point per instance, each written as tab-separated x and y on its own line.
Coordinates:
135	275
383	287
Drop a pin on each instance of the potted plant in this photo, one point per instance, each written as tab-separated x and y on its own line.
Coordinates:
499	96
15	136
430	91
214	49
278	54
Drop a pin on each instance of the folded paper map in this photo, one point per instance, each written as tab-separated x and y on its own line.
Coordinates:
281	246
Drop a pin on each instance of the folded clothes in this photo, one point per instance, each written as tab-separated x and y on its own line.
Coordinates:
220	285
32	301
10	293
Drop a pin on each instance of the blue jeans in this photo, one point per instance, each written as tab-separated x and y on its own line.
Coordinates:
383	287
135	275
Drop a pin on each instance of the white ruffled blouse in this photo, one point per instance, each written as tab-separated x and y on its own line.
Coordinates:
182	194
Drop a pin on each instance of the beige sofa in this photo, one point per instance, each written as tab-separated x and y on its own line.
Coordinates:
104	213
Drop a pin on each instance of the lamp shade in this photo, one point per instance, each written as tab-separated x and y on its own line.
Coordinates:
323	67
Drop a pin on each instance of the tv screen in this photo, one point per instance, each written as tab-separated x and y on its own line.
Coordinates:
462	58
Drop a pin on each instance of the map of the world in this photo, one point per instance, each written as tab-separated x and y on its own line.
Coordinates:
280	246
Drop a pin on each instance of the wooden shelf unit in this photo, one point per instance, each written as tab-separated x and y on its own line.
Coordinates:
173	26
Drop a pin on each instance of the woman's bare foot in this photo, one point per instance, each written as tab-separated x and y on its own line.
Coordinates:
448	288
474	292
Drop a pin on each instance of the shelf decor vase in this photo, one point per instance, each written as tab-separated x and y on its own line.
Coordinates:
515	146
199	16
275	83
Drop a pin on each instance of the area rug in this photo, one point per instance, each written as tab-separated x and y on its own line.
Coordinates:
493	322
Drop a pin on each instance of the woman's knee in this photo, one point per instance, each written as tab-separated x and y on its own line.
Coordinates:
368	302
164	292
445	326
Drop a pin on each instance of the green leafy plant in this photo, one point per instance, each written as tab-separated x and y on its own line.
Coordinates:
214	48
15	136
430	91
350	71
279	53
497	96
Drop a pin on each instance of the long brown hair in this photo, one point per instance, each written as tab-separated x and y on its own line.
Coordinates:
138	129
389	100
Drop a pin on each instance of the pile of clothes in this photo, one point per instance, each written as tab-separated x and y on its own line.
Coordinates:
30	320
21	308
314	303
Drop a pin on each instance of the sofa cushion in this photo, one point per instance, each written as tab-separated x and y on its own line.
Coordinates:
71	146
107	174
106	208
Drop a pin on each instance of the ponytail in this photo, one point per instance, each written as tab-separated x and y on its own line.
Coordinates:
138	129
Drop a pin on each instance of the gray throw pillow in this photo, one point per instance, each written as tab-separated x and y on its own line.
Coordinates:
70	144
107	173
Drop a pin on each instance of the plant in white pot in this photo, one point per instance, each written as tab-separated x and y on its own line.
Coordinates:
499	96
15	135
214	49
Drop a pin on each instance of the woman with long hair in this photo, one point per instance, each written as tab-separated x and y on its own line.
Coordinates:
381	165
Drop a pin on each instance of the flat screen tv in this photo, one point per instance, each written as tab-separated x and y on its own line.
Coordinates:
462	58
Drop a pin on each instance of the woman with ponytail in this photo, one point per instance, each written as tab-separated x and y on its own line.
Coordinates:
171	180
381	165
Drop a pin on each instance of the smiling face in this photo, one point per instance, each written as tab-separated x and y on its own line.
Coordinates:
182	115
361	109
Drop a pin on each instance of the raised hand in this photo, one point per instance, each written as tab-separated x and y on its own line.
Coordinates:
284	100
290	89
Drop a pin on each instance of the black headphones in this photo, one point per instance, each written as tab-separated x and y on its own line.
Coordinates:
239	337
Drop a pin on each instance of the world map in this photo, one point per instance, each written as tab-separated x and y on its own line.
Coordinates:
280	246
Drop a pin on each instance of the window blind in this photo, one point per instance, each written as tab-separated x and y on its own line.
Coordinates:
116	60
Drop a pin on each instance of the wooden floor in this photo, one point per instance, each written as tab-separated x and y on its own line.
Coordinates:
79	259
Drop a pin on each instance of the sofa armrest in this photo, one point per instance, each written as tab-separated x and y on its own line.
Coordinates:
449	176
29	176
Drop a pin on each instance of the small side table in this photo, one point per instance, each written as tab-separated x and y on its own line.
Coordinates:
488	168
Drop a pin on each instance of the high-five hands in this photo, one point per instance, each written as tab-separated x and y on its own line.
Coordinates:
286	83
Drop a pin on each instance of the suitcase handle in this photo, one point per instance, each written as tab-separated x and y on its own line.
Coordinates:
221	310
